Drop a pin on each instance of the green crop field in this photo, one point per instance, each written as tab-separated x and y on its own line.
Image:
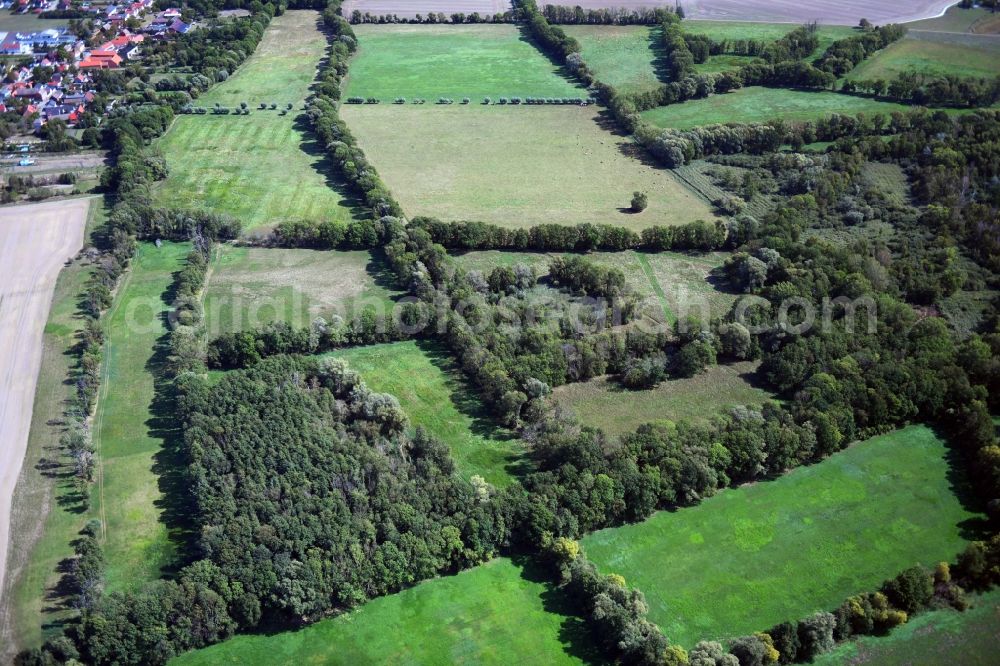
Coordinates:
752	557
250	287
517	166
435	395
624	56
432	61
757	104
266	167
768	32
914	53
603	402
133	428
494	614
935	638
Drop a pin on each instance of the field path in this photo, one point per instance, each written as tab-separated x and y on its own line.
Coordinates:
35	242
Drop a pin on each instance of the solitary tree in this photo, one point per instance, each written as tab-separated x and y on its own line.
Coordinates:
639	202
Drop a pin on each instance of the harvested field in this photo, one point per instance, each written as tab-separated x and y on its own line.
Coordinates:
453	61
837	12
603	402
751	557
35	242
410	8
516	166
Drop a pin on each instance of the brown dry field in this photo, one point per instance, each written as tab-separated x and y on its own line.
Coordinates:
410	8
35	242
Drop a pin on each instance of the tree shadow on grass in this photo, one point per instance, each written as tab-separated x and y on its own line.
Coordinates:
382	276
661	63
574	634
971	529
325	166
466	400
170	462
563	70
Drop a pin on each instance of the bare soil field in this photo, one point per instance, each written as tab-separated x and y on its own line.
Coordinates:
35	242
836	12
410	8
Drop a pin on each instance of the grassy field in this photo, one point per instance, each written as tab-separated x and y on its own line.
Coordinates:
624	56
498	613
435	395
757	104
517	166
978	56
134	426
938	638
751	557
432	61
263	168
45	508
604	403
250	287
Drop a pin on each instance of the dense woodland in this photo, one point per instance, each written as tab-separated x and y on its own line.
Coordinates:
310	497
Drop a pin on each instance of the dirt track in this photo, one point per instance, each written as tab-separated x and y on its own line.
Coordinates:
35	242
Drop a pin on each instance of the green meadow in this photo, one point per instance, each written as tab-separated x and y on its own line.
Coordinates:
754	556
435	396
517	166
134	426
266	167
767	32
624	56
454	61
497	613
758	104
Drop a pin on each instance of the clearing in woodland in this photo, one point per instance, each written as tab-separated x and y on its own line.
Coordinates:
761	554
453	61
604	403
266	167
435	395
249	287
497	613
517	166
